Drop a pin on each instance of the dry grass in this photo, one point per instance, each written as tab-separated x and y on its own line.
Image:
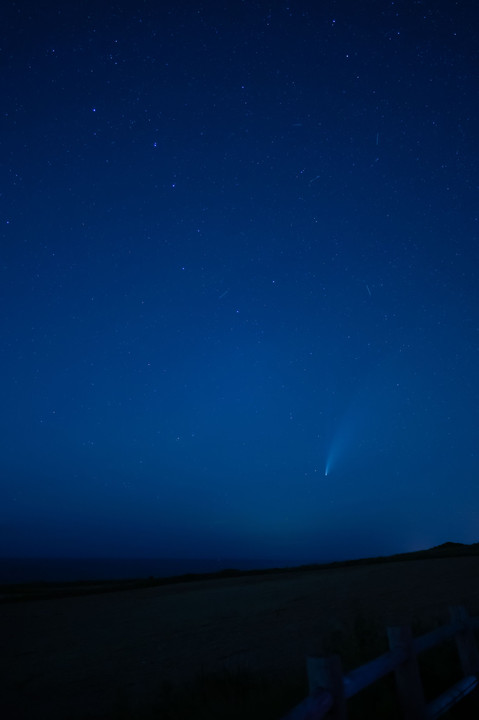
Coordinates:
222	648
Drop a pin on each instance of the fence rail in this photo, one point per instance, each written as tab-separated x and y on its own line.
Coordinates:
329	689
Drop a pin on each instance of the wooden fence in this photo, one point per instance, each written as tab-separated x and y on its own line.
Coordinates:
329	689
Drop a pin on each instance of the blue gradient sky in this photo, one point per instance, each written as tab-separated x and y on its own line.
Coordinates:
237	240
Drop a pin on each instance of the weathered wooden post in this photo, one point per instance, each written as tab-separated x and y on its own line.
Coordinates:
465	640
327	672
408	680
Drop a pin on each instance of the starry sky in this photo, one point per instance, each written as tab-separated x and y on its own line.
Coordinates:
238	256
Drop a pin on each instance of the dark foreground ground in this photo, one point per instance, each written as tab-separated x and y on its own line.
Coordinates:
92	656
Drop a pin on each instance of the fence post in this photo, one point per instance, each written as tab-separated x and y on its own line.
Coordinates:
327	672
465	640
408	680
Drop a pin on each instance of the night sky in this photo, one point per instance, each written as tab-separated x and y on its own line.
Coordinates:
239	297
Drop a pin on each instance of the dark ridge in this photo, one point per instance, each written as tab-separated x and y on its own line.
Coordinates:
45	590
449	546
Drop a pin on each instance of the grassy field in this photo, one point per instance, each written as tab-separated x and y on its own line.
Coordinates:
224	647
244	694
